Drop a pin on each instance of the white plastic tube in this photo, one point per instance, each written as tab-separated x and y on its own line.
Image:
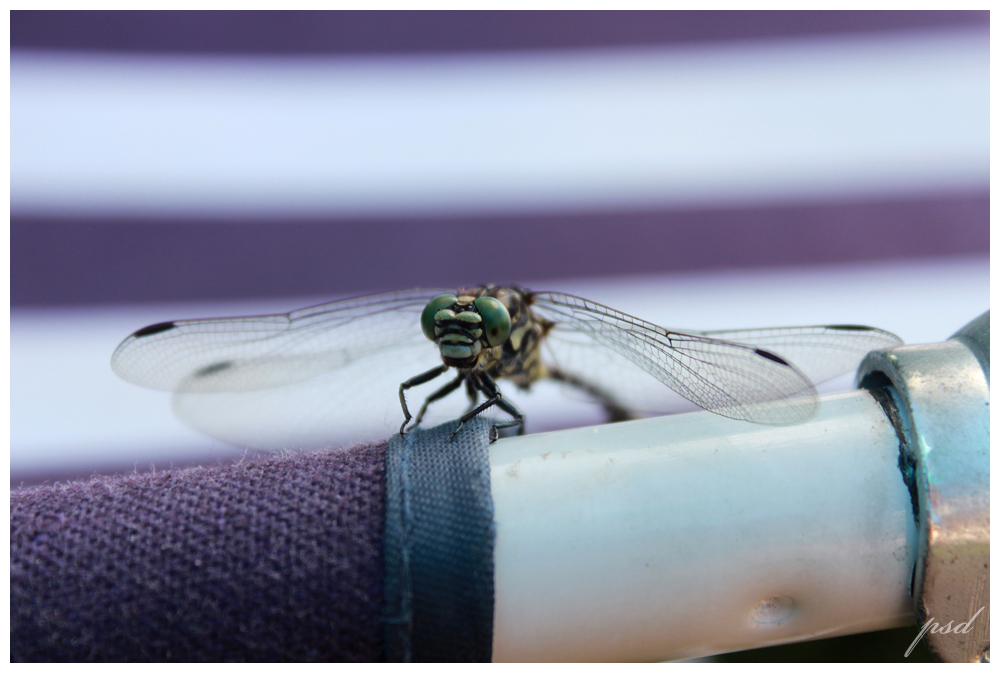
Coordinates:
691	535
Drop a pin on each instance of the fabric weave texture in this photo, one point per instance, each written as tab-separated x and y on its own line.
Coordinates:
271	559
439	543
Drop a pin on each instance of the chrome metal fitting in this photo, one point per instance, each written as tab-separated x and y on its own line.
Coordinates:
938	398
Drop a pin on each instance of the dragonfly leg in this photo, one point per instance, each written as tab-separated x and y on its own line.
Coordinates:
444	391
518	419
472	392
615	411
485	383
416	381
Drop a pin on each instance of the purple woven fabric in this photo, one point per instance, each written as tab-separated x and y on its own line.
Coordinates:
273	559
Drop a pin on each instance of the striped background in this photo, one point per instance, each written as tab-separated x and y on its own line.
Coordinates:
754	167
171	156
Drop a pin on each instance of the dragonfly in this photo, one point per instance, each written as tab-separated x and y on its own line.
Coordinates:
269	381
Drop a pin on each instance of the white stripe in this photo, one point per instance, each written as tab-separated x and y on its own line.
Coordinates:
740	122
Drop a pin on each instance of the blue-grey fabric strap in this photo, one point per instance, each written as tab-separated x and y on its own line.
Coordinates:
438	543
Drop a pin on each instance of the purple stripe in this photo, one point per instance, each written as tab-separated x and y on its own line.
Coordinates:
284	32
80	261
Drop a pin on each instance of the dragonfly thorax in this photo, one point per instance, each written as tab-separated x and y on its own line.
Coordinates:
465	327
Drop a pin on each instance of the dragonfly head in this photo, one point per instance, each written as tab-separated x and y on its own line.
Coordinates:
463	327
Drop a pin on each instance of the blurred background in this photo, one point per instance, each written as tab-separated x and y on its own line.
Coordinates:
699	169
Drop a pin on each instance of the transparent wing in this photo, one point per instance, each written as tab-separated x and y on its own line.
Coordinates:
743	374
821	352
330	373
254	352
305	378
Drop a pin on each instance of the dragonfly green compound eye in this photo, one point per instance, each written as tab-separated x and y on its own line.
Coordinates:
427	317
495	319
